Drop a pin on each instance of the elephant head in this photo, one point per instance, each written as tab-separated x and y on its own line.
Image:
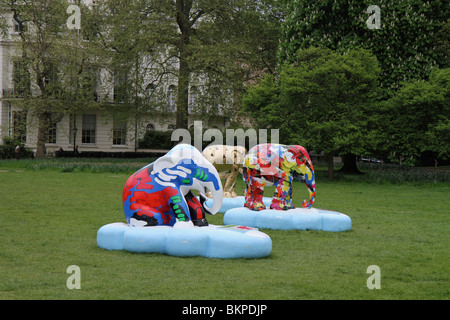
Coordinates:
185	166
300	163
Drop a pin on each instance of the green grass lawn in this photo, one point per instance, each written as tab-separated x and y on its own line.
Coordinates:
49	220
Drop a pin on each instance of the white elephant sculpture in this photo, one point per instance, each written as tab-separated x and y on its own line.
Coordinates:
228	161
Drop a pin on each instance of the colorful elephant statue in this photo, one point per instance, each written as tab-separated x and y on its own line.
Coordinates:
160	193
277	165
228	160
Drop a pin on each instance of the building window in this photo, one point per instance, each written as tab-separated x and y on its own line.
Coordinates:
171	98
120	86
90	83
20	126
21	79
193	99
120	133
151	94
89	128
72	126
16	26
19	24
150	127
51	132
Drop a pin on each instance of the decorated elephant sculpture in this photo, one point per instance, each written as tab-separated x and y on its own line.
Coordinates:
160	193
228	161
277	165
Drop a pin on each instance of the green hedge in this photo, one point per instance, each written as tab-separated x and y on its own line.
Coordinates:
105	154
8	149
160	140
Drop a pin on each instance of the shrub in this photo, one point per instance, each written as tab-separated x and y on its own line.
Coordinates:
160	140
111	155
397	174
8	149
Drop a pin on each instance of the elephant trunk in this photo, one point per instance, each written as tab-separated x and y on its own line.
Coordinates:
214	185
217	202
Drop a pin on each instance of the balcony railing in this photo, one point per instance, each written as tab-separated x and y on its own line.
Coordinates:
13	93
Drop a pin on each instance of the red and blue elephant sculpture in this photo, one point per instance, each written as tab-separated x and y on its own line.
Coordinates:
160	193
277	165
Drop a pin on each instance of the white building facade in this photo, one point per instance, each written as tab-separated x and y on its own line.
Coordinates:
89	130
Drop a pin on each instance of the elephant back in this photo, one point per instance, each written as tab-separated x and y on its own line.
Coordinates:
266	158
225	155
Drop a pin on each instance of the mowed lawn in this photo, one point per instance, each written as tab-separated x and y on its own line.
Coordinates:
49	220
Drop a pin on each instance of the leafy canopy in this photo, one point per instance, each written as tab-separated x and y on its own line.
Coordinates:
323	100
408	44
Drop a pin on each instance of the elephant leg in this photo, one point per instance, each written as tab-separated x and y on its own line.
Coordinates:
254	193
278	197
226	186
234	177
246	192
181	211
230	183
288	199
144	217
196	210
282	197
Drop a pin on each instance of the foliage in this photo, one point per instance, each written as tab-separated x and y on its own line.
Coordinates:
419	119
443	43
408	44
397	174
213	46
106	155
86	165
160	140
8	149
55	70
326	99
374	173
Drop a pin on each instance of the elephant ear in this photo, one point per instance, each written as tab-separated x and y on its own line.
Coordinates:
299	154
294	150
174	156
290	157
164	162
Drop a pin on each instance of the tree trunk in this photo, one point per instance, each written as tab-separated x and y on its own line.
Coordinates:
185	25
350	164
330	167
183	93
43	124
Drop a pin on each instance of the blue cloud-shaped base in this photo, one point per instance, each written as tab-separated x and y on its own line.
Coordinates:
298	218
237	202
212	242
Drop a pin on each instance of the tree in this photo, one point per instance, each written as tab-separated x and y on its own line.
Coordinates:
409	42
326	100
405	44
419	119
53	66
443	43
213	45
